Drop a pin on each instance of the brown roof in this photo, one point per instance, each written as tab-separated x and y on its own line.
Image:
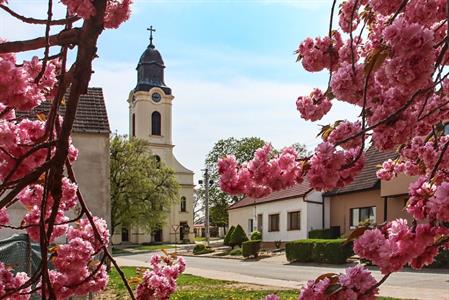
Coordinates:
297	190
91	114
367	178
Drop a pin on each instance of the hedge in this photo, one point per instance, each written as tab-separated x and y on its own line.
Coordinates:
323	234
238	236
251	248
319	251
201	249
256	235
228	236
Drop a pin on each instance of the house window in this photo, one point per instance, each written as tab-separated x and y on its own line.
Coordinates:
260	222
156	123
134	125
362	214
183	204
250	225
273	222
294	220
446	129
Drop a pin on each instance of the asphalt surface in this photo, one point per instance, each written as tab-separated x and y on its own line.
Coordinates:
279	269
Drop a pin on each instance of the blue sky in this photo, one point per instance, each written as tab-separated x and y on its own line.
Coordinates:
230	65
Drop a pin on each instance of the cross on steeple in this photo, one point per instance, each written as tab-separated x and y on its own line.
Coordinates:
151	30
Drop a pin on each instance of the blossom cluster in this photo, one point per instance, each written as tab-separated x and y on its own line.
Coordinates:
262	175
76	272
10	283
160	282
395	244
117	11
356	283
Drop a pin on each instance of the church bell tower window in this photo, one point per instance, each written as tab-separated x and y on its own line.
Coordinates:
133	125
155	123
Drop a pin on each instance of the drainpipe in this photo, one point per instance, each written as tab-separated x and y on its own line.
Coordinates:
385	208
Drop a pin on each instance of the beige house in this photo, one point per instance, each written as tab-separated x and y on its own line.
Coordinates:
91	136
367	197
150	118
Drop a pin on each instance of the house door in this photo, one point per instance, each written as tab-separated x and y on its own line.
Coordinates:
125	234
157	235
183	231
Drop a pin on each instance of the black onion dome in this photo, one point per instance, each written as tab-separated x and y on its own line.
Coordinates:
150	71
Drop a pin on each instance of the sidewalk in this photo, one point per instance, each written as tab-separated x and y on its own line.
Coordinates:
419	293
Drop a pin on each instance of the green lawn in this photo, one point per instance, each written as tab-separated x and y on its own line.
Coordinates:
116	250
153	247
195	287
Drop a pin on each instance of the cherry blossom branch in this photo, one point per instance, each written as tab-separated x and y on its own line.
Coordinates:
47	41
64	38
89	216
330	38
28	20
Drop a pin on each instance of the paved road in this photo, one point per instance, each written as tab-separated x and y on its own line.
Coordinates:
408	283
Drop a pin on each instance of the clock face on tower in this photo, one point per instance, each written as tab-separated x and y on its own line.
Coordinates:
156	97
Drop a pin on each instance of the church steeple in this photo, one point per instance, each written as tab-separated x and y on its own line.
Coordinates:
150	69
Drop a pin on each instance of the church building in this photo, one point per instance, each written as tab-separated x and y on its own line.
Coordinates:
150	118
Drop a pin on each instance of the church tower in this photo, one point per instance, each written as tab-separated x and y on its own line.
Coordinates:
150	118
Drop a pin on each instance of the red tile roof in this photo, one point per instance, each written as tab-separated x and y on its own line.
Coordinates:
367	178
91	114
295	191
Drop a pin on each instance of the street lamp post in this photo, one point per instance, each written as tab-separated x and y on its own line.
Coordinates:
207	184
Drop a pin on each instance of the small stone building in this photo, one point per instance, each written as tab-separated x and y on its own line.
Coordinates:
91	136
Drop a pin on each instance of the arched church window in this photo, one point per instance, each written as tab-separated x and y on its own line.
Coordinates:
155	123
133	125
183	204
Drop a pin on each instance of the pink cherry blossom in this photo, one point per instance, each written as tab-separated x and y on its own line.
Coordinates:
160	282
4	218
10	282
314	106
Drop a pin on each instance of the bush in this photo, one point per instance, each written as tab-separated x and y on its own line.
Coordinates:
238	236
236	252
201	249
441	260
251	248
256	235
300	251
320	251
323	234
228	236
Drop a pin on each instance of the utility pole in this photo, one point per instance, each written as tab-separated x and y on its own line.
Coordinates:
206	215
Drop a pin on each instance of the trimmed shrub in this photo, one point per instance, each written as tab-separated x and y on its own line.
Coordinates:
235	252
202	249
256	235
300	251
320	251
251	248
238	236
323	234
228	236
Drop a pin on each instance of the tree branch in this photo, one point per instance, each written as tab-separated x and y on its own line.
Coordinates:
64	38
